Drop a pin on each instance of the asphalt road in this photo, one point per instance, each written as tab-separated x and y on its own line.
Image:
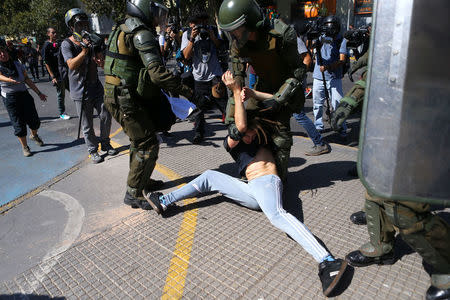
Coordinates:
61	151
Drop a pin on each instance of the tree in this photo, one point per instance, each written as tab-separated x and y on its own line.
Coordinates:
22	18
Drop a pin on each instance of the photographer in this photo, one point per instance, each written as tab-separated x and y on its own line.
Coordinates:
333	50
82	57
171	41
201	44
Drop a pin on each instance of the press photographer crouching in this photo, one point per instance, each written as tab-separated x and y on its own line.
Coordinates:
83	52
201	43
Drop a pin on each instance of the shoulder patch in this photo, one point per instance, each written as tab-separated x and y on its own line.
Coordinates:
134	24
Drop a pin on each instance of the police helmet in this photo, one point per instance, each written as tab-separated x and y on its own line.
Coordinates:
331	25
235	13
148	11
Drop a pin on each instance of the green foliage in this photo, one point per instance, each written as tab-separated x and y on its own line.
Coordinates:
111	8
22	18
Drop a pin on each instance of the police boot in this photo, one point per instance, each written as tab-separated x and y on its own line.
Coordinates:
136	202
359	218
434	293
380	248
440	287
357	259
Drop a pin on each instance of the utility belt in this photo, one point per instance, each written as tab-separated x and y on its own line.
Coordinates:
110	79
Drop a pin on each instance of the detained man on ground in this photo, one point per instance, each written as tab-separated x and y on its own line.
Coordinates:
262	191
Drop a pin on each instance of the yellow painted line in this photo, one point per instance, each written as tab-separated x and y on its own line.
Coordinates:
115	132
176	277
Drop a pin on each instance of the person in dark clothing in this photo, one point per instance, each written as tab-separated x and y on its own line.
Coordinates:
50	52
18	102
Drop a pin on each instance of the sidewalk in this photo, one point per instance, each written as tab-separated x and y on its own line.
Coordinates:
210	248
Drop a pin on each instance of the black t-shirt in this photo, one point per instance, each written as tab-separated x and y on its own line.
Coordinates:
242	153
50	56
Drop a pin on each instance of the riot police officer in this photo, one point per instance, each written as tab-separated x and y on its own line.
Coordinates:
272	51
134	77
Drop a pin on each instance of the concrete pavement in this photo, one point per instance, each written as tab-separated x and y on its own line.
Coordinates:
76	239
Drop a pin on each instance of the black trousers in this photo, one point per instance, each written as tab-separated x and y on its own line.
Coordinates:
204	88
22	112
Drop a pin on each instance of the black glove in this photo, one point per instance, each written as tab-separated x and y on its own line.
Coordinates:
339	116
269	104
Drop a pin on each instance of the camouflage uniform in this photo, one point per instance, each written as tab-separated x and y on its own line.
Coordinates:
134	76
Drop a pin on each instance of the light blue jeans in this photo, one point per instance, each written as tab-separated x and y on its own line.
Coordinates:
334	87
263	193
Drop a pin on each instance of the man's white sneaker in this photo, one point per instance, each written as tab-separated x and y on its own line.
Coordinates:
64	116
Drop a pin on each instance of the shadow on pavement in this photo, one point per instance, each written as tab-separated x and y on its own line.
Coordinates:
28	296
5	124
61	146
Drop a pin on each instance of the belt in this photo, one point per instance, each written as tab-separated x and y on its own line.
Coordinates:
112	80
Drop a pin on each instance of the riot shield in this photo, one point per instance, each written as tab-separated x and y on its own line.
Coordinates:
405	144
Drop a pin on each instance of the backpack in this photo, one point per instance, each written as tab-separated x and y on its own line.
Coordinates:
63	68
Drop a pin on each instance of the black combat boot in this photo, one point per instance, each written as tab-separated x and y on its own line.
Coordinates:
136	202
358	218
357	259
434	293
330	272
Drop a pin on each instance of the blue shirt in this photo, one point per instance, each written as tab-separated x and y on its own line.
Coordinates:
330	54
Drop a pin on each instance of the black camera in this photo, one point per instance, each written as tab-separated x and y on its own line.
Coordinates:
95	41
357	37
203	31
312	28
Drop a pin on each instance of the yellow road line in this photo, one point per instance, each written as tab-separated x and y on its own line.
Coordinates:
176	277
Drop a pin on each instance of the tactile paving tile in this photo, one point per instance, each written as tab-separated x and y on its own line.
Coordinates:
237	253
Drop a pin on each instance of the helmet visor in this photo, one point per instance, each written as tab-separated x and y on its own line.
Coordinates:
160	14
81	23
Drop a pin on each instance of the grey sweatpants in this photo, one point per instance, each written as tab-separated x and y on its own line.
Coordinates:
87	122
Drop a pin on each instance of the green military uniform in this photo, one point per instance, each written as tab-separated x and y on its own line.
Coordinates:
424	232
354	98
279	67
134	77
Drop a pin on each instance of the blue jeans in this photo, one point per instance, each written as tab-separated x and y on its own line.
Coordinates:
263	193
334	87
252	80
308	125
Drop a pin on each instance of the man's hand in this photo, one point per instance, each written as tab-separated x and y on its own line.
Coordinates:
229	81
194	33
324	68
247	93
54	80
43	97
99	59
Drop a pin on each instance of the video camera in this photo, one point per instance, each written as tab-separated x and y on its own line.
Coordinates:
357	37
312	28
95	42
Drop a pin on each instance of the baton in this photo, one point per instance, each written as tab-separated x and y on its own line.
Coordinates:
327	95
79	121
